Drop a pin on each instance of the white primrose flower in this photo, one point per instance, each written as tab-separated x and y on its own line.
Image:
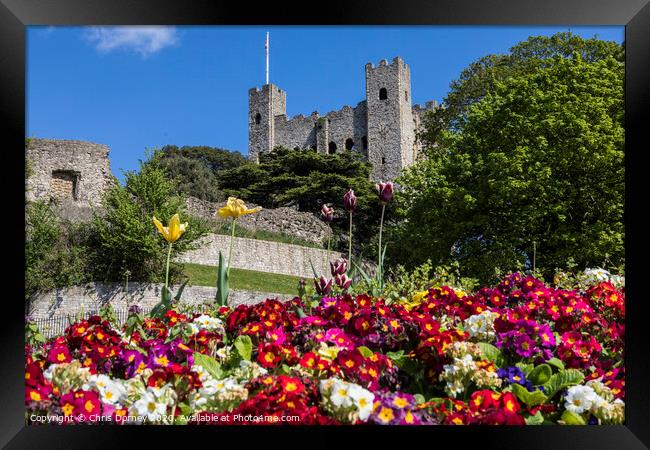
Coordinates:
99	382
581	398
363	400
481	325
113	393
340	396
208	323
149	407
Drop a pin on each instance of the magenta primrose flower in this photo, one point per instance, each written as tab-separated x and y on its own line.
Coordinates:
385	191
350	201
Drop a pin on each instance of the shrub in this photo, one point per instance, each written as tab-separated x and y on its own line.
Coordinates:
55	252
125	237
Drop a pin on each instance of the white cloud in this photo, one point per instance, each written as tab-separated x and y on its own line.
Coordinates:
143	40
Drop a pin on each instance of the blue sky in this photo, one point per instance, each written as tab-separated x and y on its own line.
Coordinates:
142	87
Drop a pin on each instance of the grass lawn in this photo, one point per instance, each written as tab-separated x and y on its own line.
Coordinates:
249	280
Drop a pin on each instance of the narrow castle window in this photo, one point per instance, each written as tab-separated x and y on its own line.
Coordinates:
258	118
331	148
364	142
383	161
349	144
383	94
406	96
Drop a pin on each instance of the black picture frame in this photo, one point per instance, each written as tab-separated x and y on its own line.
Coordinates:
15	15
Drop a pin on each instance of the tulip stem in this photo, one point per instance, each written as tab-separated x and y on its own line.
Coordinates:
350	242
169	254
232	237
379	260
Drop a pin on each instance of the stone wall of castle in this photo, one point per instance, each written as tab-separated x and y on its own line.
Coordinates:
263	256
68	171
383	127
93	296
289	221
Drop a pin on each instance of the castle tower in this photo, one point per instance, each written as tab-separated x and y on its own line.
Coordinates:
391	128
263	106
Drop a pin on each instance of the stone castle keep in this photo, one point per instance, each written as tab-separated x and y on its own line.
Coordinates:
382	128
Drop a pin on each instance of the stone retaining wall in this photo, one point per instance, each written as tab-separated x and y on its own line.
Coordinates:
263	256
91	297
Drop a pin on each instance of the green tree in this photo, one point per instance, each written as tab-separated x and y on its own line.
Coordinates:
481	77
194	178
124	237
55	254
538	161
306	180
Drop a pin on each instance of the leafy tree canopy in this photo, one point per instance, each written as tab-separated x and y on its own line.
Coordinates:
306	180
537	162
125	239
481	77
195	169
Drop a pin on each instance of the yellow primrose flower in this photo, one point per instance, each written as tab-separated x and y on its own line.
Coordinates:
235	208
174	231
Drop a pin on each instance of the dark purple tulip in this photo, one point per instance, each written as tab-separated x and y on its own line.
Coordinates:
385	191
343	281
135	309
339	267
350	201
323	285
326	214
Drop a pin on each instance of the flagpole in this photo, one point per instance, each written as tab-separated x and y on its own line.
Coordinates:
267	57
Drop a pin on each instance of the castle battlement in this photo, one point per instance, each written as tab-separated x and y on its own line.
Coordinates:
382	127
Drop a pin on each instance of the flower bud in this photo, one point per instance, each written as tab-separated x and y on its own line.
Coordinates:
323	285
385	191
326	214
339	267
343	281
350	201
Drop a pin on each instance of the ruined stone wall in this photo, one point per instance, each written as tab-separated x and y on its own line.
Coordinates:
263	256
67	170
93	296
289	221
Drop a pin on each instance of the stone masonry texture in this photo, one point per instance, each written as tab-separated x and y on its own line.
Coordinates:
68	171
285	220
382	127
93	296
263	256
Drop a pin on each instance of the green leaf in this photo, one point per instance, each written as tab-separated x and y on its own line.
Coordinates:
222	282
419	398
534	398
165	303
313	269
210	364
571	418
244	346
540	374
177	298
366	277
562	380
365	351
537	419
525	368
555	362
492	353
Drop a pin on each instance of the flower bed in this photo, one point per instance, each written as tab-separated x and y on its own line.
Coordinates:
517	353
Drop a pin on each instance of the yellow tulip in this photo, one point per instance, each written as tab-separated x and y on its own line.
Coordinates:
174	231
235	208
